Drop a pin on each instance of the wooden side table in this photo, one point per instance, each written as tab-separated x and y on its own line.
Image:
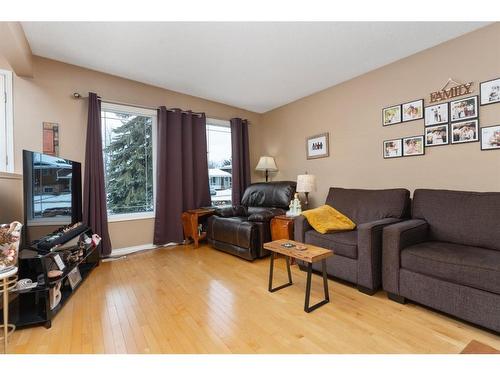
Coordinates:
309	255
190	221
8	282
282	227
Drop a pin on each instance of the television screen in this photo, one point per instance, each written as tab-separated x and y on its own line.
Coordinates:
52	193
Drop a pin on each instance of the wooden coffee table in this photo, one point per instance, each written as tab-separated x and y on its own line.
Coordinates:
310	255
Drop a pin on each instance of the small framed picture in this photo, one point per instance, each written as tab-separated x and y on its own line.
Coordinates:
413	110
463	109
436	135
393	148
436	114
490	91
317	146
465	131
74	277
413	146
391	115
490	138
59	262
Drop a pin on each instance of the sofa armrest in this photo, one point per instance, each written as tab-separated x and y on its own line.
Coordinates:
231	211
300	227
395	238
370	253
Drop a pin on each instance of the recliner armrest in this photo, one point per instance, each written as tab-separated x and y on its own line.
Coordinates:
262	216
232	211
396	237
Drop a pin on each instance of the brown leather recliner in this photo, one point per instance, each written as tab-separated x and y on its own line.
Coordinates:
242	230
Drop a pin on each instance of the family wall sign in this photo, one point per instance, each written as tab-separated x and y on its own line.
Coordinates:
456	89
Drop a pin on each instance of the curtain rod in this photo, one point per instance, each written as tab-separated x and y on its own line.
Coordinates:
77	95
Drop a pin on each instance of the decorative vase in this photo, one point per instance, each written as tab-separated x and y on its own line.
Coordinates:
10	236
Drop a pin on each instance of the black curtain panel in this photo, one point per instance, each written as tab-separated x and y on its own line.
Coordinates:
95	213
182	171
240	158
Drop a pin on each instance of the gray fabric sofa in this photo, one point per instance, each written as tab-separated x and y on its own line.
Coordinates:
448	255
358	253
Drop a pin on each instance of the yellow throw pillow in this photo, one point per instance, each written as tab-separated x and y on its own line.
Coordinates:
326	219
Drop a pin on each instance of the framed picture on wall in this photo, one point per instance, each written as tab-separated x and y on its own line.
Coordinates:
490	91
436	114
490	138
465	131
413	110
393	148
437	135
413	146
463	109
317	146
50	138
391	115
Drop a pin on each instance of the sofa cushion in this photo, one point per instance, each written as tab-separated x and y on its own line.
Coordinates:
465	265
461	217
363	206
342	243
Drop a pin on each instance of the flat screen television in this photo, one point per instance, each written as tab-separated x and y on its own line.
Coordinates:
52	194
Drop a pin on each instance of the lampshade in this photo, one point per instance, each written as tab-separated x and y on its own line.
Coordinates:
306	183
266	163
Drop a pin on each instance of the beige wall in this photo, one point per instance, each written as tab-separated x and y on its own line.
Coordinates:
351	113
47	97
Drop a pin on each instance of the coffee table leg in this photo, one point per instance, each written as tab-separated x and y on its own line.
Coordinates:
271	270
308	308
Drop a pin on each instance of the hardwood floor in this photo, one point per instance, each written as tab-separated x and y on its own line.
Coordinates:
185	300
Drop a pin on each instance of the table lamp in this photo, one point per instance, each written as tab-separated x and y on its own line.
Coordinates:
305	184
266	163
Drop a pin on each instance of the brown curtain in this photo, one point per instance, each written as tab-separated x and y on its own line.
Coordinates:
182	171
240	158
95	213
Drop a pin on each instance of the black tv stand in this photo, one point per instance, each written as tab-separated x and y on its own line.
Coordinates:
32	306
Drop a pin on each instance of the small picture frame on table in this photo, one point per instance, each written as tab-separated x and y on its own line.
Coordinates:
74	278
490	138
393	148
413	146
391	115
490	91
317	146
413	110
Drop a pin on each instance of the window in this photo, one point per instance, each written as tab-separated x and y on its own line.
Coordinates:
6	123
129	136
219	161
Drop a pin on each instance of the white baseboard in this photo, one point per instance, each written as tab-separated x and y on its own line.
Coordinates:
134	249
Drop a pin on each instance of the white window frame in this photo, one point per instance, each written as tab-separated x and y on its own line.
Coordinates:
106	106
6	122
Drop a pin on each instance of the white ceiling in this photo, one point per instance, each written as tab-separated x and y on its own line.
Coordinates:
252	65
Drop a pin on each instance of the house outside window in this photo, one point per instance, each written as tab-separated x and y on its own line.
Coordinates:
219	161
